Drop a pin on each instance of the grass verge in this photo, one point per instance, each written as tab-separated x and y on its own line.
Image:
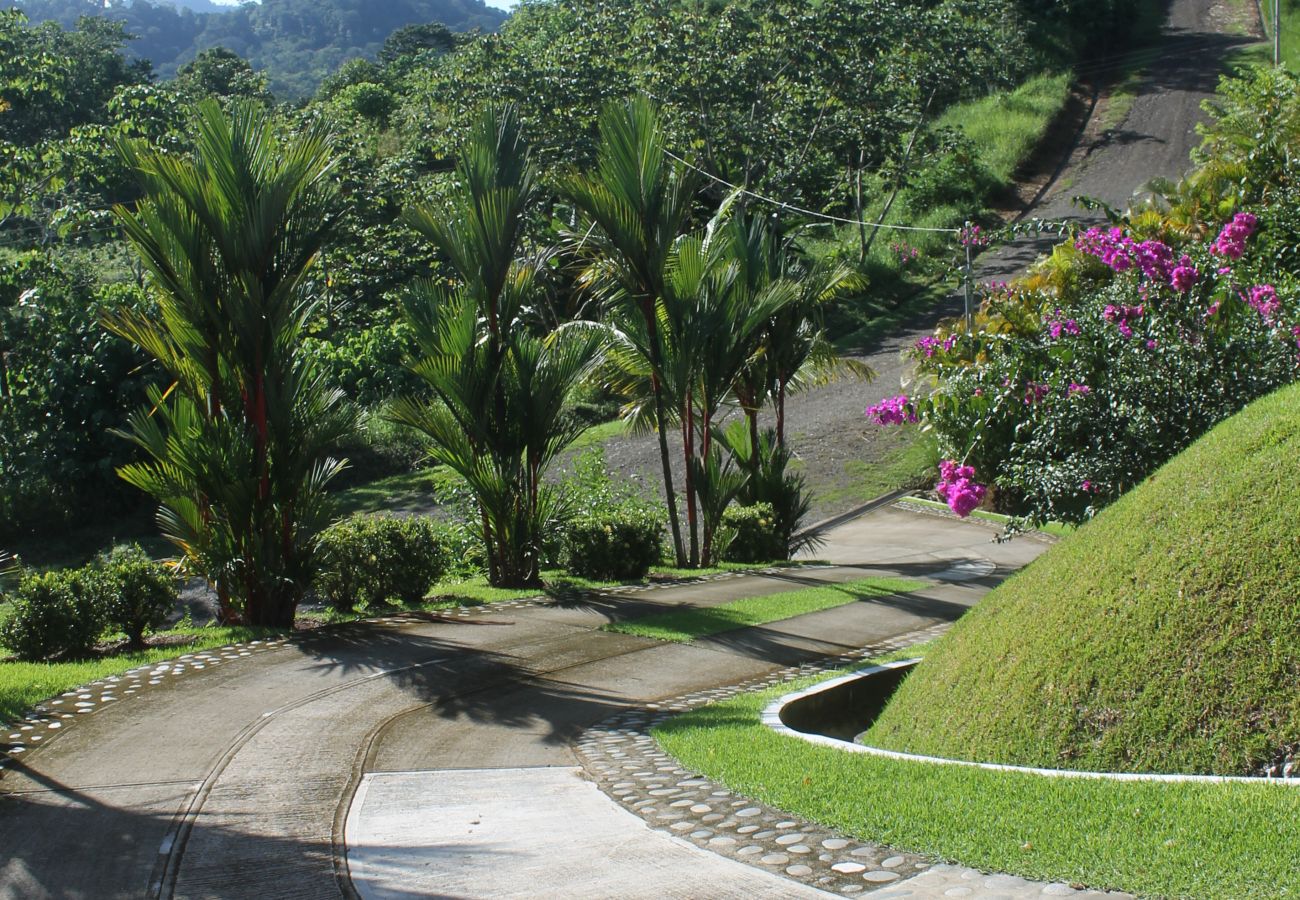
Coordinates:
1006	126
1229	841
25	684
908	463
688	624
1058	529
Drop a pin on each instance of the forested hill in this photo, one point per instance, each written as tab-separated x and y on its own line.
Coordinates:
296	42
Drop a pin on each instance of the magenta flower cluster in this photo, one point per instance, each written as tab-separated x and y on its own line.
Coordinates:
1057	326
1264	300
1035	392
1184	275
974	237
928	346
1231	241
1111	247
905	253
1123	317
957	486
1075	388
1155	259
892	411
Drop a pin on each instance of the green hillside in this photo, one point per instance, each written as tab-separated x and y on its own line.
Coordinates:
1163	636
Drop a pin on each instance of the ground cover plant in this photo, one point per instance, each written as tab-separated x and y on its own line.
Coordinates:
685	625
1162	636
1216	841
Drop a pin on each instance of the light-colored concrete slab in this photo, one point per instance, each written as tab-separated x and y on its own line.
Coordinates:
538	832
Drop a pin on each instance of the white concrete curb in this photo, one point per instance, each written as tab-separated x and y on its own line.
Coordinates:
771	717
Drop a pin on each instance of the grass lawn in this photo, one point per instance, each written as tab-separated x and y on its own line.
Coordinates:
25	684
1228	841
684	625
405	490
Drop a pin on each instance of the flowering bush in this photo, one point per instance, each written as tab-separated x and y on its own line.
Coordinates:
1065	398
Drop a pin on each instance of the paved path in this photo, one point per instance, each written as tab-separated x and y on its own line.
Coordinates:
238	780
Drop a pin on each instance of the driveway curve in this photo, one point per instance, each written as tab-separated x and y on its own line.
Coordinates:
237	780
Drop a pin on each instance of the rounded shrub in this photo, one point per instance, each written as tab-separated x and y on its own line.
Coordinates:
136	593
752	534
55	614
369	560
616	545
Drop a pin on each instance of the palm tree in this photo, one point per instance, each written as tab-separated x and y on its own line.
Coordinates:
499	389
237	446
634	208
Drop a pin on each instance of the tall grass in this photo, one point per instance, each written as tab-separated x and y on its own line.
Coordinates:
1006	126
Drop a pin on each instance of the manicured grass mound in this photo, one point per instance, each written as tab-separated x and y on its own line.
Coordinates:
1163	636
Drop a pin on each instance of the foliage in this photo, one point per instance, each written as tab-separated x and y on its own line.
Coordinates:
620	545
237	445
64	385
371	560
296	42
56	613
752	534
136	593
1159	637
500	389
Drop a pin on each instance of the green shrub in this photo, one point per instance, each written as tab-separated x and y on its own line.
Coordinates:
369	560
55	614
620	544
135	593
751	534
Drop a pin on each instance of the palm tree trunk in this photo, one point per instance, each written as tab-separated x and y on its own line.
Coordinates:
751	413
688	451
780	414
670	491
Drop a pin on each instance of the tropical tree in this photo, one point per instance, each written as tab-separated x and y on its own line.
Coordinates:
236	447
499	388
632	210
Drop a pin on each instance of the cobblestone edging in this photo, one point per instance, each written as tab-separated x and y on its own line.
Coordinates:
623	759
53	717
626	763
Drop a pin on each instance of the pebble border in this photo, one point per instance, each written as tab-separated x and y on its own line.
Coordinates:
626	763
53	717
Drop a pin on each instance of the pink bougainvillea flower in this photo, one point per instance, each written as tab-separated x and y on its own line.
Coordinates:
1184	275
1231	241
958	487
1264	300
1080	389
892	411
